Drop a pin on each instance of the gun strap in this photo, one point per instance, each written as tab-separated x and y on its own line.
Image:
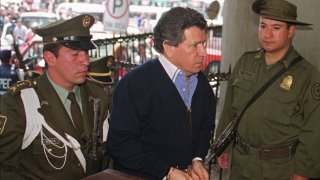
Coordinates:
264	88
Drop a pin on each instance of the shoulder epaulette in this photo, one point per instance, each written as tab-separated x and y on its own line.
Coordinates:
17	87
257	53
253	51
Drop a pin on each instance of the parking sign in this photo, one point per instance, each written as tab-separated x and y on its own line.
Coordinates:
116	16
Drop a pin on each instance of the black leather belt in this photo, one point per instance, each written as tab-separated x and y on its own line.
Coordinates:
276	152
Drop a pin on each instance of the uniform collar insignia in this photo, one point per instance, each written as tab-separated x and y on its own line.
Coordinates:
259	54
91	99
286	83
44	103
286	64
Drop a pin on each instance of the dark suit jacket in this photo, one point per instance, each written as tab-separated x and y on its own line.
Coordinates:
150	128
32	162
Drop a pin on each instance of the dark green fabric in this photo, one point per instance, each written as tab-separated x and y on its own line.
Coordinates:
31	162
278	117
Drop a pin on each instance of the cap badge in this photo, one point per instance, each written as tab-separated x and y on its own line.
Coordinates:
286	83
54	39
86	21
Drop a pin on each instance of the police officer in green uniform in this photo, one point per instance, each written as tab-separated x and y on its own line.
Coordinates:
46	123
278	135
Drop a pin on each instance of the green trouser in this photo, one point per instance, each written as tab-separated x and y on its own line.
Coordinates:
235	175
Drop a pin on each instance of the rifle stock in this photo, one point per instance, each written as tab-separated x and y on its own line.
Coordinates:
223	141
94	156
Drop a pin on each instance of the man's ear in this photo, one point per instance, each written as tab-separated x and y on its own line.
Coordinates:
292	31
167	48
49	57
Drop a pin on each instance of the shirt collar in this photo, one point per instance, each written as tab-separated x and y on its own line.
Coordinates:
286	59
63	93
170	68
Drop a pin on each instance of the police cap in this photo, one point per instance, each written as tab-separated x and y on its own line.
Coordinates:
73	33
99	70
278	10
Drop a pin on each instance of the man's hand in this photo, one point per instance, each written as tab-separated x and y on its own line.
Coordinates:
223	160
177	174
197	171
297	177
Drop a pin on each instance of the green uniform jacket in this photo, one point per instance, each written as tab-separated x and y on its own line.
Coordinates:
31	163
277	117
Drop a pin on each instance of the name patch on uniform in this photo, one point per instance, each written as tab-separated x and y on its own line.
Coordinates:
315	91
50	141
3	120
247	74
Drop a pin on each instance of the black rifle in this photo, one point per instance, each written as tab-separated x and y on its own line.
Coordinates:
223	141
96	158
229	133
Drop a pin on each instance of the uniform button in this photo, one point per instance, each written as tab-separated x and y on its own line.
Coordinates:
50	150
79	164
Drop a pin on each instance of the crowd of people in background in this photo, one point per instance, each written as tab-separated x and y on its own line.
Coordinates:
11	12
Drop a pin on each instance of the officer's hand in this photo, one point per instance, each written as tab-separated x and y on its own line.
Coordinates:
297	177
197	171
177	174
223	160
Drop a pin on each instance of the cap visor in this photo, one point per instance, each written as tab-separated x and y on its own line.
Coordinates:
80	45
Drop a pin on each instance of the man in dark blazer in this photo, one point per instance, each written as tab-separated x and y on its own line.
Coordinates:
164	110
46	124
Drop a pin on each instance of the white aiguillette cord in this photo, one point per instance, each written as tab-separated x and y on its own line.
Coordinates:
34	124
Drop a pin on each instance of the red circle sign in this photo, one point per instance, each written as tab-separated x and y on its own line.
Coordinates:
120	14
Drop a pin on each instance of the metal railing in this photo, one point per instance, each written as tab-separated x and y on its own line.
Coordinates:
137	49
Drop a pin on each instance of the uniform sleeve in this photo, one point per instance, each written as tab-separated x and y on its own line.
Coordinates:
307	156
11	135
131	107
